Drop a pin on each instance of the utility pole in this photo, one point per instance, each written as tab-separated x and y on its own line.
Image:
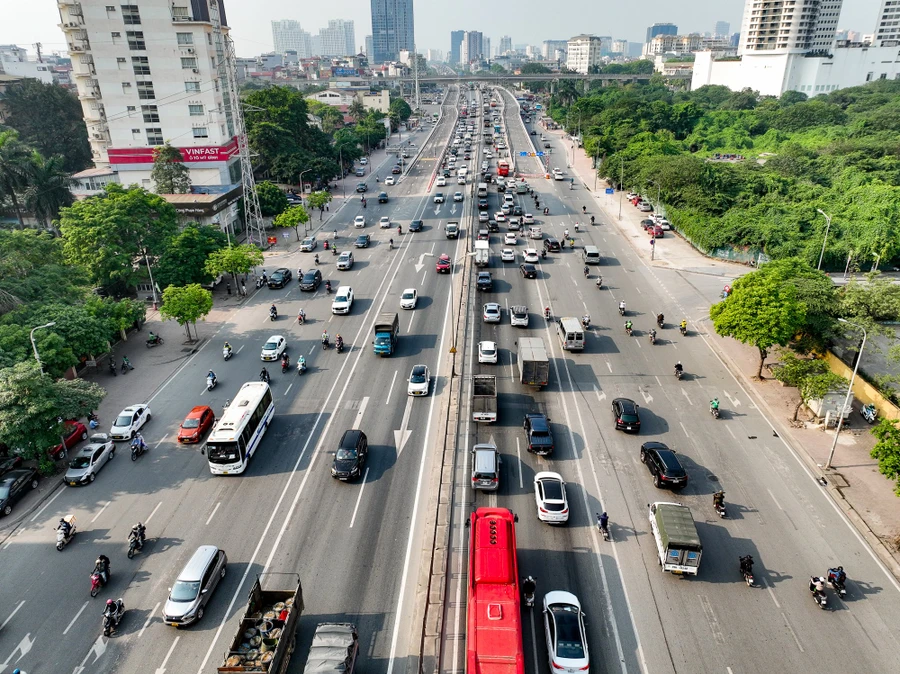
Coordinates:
38	46
416	75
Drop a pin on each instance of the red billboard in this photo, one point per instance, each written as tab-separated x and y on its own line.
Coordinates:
191	155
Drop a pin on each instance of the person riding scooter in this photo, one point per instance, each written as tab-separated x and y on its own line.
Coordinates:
273	312
101	568
718	499
153	339
301	364
264	375
529	586
339	343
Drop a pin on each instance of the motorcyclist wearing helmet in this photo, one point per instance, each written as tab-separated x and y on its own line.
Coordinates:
64	526
603	521
628	325
114	609
213	375
227	347
746	564
101	566
273	311
714	404
138	532
264	375
339	341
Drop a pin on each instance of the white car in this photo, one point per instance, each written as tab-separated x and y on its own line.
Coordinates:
343	300
384	222
510	239
441	181
308	244
129	422
419	380
518	316
408	298
510	184
359	221
550	496
531	255
507	255
528	219
88	461
483	216
506	209
458	196
488	154
487	352
557	174
363	161
500	216
567	647
389	180
460	180
439	198
491	312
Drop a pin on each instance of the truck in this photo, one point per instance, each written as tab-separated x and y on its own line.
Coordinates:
269	612
452	229
534	366
677	540
484	397
387	330
334	649
482	254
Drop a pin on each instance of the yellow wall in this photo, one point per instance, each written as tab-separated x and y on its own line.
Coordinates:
863	390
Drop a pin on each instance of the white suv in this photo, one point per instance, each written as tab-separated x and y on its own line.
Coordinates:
343	300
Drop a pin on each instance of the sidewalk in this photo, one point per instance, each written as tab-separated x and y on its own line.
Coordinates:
855	484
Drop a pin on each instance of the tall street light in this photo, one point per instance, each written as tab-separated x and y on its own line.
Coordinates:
34	346
825	240
837	431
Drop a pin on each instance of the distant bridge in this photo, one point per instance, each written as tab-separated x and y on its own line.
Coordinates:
486	76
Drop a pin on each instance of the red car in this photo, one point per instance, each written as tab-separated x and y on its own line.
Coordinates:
74	432
656	231
196	423
443	264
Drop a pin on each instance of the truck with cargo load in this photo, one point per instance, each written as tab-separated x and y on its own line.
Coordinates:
534	365
482	254
267	632
334	649
387	330
484	397
677	540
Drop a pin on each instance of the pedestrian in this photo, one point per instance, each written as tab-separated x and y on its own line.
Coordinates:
326	207
228	288
243	290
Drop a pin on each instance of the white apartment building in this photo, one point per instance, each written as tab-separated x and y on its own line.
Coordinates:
887	34
287	34
14	62
150	73
583	51
680	45
777	25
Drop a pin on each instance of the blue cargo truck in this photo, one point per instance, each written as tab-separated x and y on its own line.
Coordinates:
387	330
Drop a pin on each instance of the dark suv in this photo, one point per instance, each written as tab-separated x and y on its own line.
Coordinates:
311	280
551	245
537	432
280	278
664	466
626	413
484	282
351	455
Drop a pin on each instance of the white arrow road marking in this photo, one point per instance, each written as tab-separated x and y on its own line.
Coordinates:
601	395
421	263
684	393
647	397
734	401
359	498
98	649
437	208
453	209
401	436
162	669
24	648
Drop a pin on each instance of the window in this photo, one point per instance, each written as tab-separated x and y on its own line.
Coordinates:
151	114
201	132
154	136
126	87
188	63
145	91
116	34
192	86
136	40
136	134
195	110
180	13
141	65
185	38
130	15
120	60
110	8
131	108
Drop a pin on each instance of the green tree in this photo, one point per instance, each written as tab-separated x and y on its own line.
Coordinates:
233	260
33	268
182	262
319	199
186	304
293	217
810	376
887	451
402	109
169	174
497	68
870	303
48	188
357	110
112	234
761	311
15	162
117	315
272	200
32	405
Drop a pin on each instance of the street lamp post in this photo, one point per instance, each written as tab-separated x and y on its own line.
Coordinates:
840	423
825	240
34	346
621	184
301	180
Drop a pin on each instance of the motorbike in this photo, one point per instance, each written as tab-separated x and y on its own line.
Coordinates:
326	245
719	505
837	585
134	545
585	323
126	366
264	376
97	582
301	366
285	365
746	570
652	337
61	539
621	310
714	411
628	330
112	368
679	373
683	329
325	343
137	448
211	382
547	313
334	250
273	314
227	353
528	590
154	342
339	346
599	282
587	272
660	321
604	531
818	597
111	620
259	282
328	287
869	413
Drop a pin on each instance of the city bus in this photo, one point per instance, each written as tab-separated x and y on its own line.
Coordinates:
493	612
237	434
502	168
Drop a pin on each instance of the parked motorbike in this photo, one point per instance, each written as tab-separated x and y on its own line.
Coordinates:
869	413
259	282
61	539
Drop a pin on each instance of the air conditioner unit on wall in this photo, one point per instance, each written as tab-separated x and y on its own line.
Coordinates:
196	70
190	50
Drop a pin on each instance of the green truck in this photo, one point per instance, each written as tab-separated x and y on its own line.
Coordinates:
677	540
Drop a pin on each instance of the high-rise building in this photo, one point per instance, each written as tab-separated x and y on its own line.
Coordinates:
472	47
287	34
456	38
722	28
392	29
338	39
150	73
434	55
486	47
887	31
583	51
370	47
551	47
505	45
661	29
619	47
804	25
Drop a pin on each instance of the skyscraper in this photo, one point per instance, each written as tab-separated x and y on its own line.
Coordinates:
505	45
338	39
472	47
369	48
392	29
722	28
887	33
456	38
805	25
661	29
287	34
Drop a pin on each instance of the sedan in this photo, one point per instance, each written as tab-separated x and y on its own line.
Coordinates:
500	216
396	170
129	422
528	270
384	222
10	463
359	221
533	132
73	433
487	352
488	154
443	264
491	312
663	465
416	225
567	647
195	424
550	496
506	209
510	239
273	349
644	207
531	256
408	298
419	380
14	485
528	219
362	241
457	196
389	180
441	181
508	255
647	223
439	198
83	468
308	245
626	415
483	216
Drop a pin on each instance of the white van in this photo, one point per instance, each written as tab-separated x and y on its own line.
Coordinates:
462	171
571	334
591	255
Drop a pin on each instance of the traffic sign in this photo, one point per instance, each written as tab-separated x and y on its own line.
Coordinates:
523	154
610	190
540	154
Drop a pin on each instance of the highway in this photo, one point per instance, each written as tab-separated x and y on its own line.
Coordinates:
355	545
639	618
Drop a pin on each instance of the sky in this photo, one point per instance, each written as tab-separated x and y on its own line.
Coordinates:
525	21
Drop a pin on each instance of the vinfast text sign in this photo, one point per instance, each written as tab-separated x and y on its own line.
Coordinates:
191	155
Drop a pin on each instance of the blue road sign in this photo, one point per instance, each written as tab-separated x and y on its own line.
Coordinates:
523	154
610	190
540	154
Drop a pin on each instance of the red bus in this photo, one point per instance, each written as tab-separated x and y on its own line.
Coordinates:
502	168
494	618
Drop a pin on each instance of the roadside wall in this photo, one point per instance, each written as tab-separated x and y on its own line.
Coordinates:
863	390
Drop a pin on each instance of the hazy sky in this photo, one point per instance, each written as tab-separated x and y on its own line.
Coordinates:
526	21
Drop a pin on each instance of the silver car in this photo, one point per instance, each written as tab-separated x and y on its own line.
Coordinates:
85	465
194	586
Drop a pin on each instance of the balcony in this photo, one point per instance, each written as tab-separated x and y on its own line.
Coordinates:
71	6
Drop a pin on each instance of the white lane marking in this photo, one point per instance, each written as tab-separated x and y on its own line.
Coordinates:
391	389
72	622
288	388
534	644
212	514
774	499
150	517
658	382
150	617
609	366
240	349
311	350
362	410
519	457
402	435
160	441
793	634
684	393
411	317
359	497
601	395
647	397
100	512
162	668
686	434
16	610
730	431
38	513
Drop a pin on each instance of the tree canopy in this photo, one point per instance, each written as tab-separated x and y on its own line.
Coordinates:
169	174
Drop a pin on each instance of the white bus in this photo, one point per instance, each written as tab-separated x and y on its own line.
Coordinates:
238	433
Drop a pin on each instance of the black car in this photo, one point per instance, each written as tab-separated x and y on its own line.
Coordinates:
362	187
547	145
626	414
482	204
280	278
446	173
664	466
416	225
396	170
551	245
533	132
484	282
517	210
311	280
538	435
528	270
13	486
382	198
362	241
493	226
351	455
454	151
9	463
647	224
